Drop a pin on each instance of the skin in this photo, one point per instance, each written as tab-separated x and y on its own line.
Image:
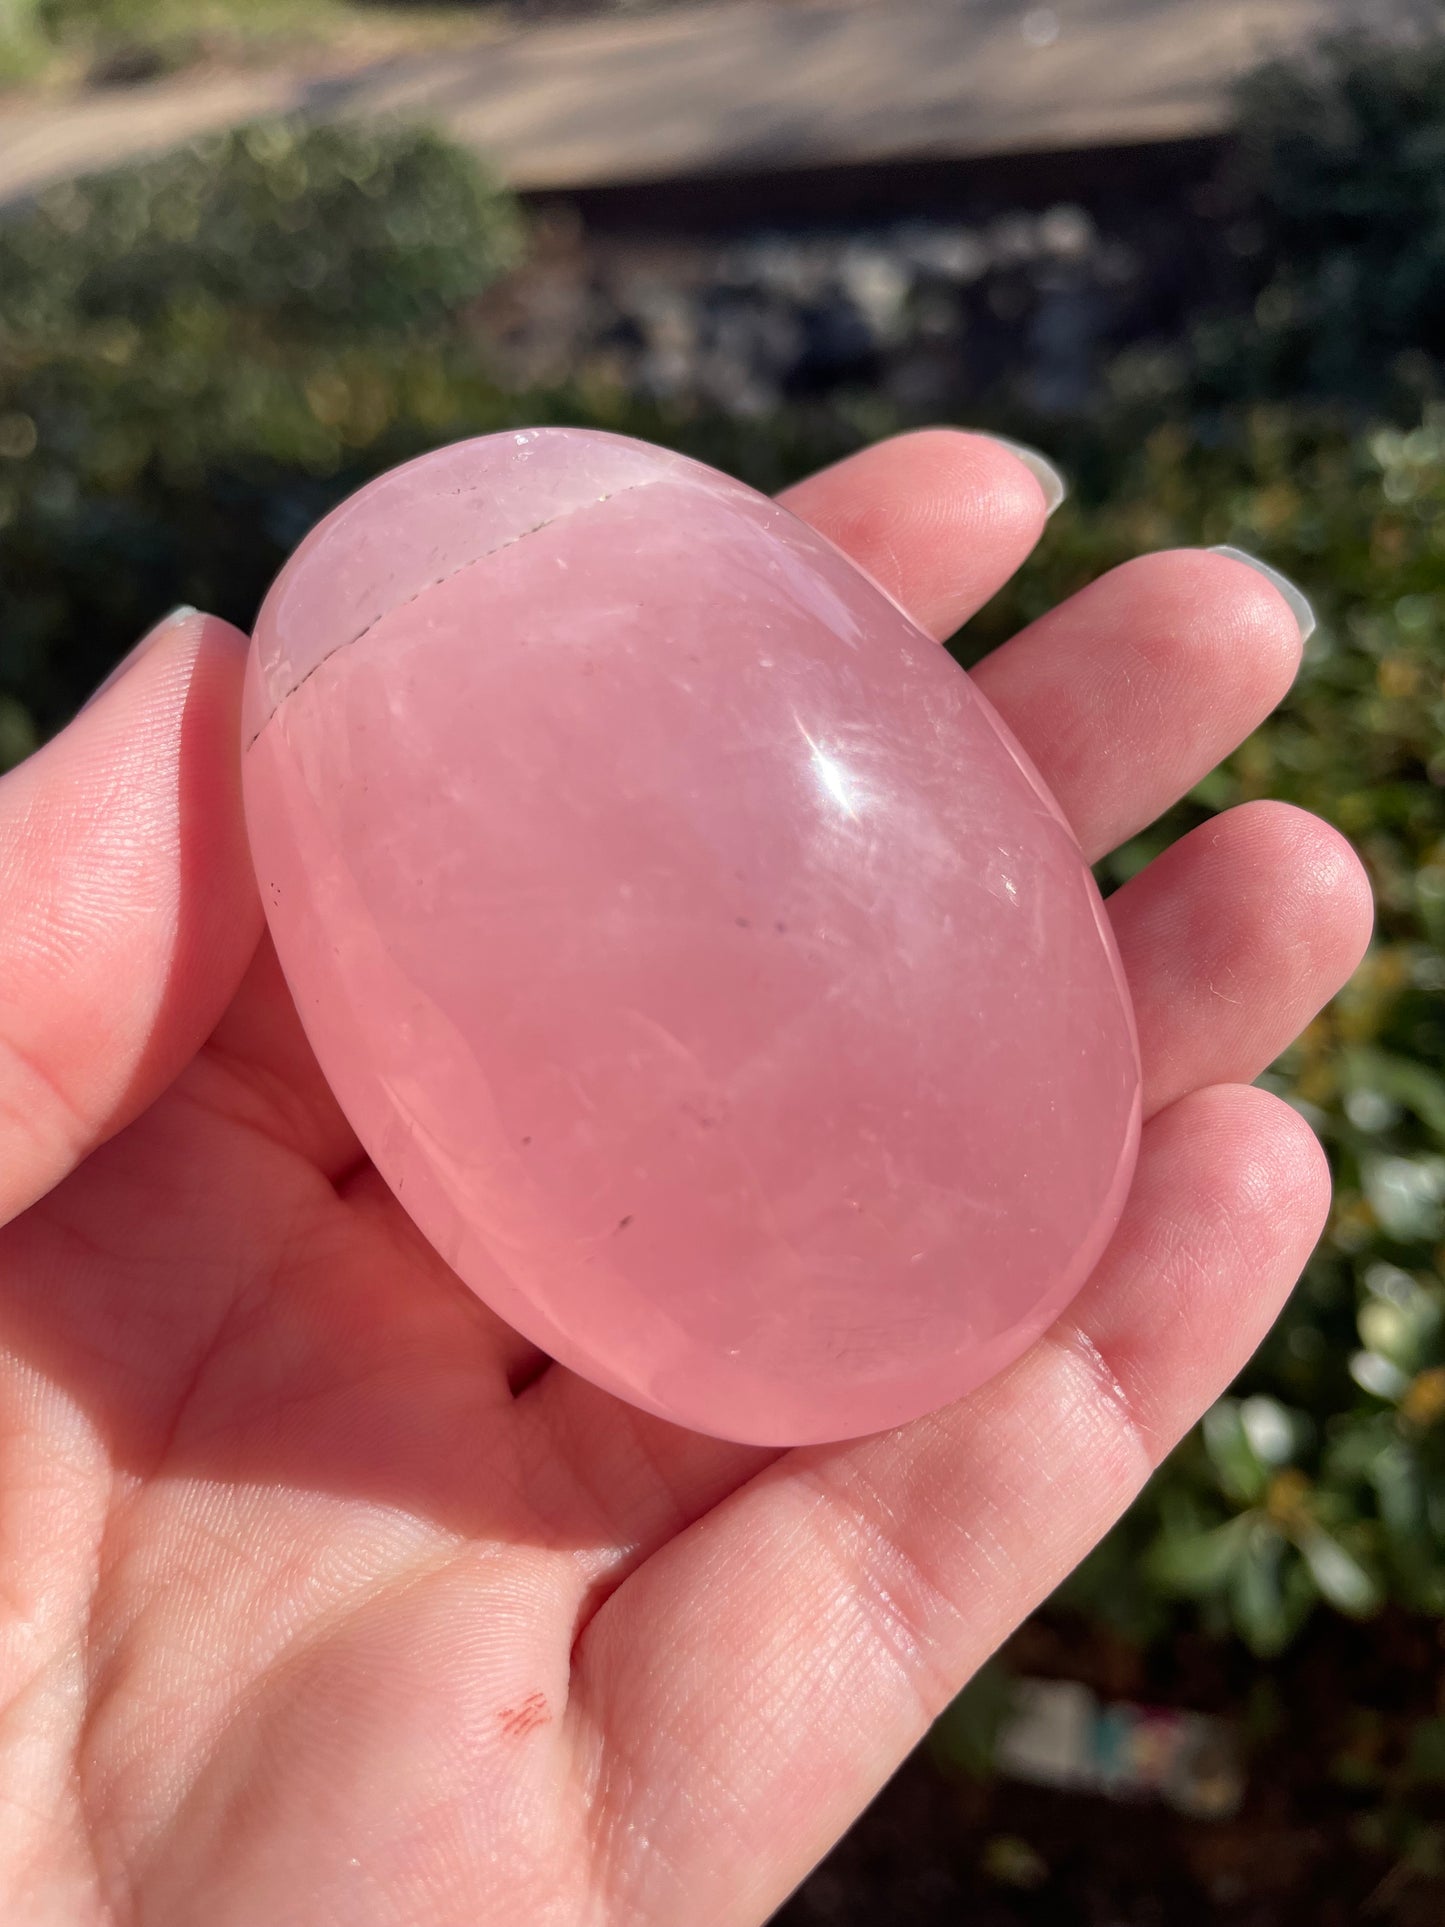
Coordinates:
322	1598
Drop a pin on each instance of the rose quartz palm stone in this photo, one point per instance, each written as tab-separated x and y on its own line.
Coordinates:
693	950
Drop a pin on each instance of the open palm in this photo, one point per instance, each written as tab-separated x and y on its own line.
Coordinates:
323	1599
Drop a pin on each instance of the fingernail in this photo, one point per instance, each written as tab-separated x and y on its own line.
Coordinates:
1049	479
182	613
1298	601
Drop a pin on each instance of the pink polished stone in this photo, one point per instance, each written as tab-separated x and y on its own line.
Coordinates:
694	952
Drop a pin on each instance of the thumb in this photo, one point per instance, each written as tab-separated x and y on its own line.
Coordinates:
127	906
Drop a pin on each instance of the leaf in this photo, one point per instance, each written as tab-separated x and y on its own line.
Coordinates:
1264	1611
1405	1194
1413	1084
1342	1580
1399	1483
1389	1331
1243	1475
1356	1448
1272	1430
1399	1490
1377	1376
1198	1563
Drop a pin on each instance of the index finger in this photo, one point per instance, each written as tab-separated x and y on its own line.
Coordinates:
127	905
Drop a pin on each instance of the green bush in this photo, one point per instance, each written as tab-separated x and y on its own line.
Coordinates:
22	44
194	354
127	40
1337	196
1323	1478
323	233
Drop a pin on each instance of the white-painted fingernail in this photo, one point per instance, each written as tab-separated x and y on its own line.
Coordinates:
1049	479
181	613
1298	601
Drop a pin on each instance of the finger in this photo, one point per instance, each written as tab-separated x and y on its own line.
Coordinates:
818	1620
941	519
127	906
1233	939
647	1480
1132	690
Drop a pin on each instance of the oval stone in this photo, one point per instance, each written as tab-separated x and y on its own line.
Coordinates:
695	953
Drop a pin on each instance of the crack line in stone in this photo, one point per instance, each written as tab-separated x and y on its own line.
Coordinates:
426	588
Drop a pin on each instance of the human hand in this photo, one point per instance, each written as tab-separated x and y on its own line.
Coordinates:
322	1599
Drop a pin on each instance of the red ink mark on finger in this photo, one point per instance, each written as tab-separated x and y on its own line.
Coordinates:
532	1713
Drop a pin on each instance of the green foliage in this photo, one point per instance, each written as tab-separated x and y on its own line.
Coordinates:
316	233
1339	191
136	39
23	47
1323	1480
191	350
113	21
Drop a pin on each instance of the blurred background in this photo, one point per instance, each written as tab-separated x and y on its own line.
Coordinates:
253	251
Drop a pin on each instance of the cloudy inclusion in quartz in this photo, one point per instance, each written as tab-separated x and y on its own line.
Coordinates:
693	951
